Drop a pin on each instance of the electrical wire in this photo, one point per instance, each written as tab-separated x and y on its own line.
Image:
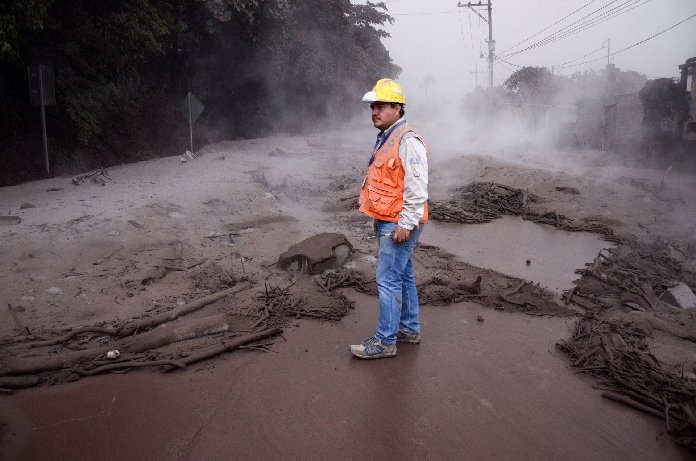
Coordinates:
505	66
561	34
498	58
635	44
562	66
569	30
587	23
480	46
423	13
568	26
547	28
461	28
583	56
471	43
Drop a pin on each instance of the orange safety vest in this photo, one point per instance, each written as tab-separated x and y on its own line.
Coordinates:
382	194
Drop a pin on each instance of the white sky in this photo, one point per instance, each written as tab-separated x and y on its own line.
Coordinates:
434	38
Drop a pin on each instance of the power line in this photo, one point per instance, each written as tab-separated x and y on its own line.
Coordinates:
567	31
507	62
555	66
583	56
461	28
561	66
491	43
421	13
474	61
578	25
584	24
471	44
637	43
547	28
505	66
570	25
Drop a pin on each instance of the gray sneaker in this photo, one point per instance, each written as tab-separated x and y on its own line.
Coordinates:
405	336
373	348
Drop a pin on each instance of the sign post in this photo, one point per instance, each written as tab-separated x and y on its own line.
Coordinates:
190	121
191	108
41	93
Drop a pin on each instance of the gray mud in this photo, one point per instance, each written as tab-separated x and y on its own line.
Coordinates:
486	382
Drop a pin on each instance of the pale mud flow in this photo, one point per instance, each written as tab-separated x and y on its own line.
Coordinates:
506	244
486	382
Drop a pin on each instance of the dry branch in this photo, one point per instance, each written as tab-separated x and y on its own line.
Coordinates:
632	403
173	332
71	335
617	353
235	343
150	322
159	337
263	318
124	365
674	330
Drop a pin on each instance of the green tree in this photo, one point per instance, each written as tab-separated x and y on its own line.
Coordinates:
594	84
98	49
18	17
122	66
665	108
288	63
532	85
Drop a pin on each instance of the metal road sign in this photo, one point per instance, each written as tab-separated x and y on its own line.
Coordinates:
191	107
41	80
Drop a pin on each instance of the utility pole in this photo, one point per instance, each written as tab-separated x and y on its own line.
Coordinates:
491	42
608	50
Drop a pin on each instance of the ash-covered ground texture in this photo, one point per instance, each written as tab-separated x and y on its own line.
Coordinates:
166	267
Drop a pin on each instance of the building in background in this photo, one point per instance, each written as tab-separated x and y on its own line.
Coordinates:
688	84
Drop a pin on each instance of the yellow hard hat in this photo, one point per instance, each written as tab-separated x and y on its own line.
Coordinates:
386	90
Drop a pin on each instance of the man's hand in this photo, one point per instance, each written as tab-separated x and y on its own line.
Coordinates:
401	235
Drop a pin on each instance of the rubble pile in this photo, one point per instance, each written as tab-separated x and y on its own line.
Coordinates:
634	274
300	300
483	202
344	278
616	353
623	293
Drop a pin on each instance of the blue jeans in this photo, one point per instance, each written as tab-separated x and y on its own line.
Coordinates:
398	298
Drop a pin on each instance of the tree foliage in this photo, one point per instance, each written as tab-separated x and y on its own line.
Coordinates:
256	65
538	85
283	64
532	84
592	84
17	18
665	107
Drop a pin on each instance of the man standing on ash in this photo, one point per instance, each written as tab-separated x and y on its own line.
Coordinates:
395	194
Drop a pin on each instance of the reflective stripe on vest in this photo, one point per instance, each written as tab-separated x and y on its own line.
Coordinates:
382	194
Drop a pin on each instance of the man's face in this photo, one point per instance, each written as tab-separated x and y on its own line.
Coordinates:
384	115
